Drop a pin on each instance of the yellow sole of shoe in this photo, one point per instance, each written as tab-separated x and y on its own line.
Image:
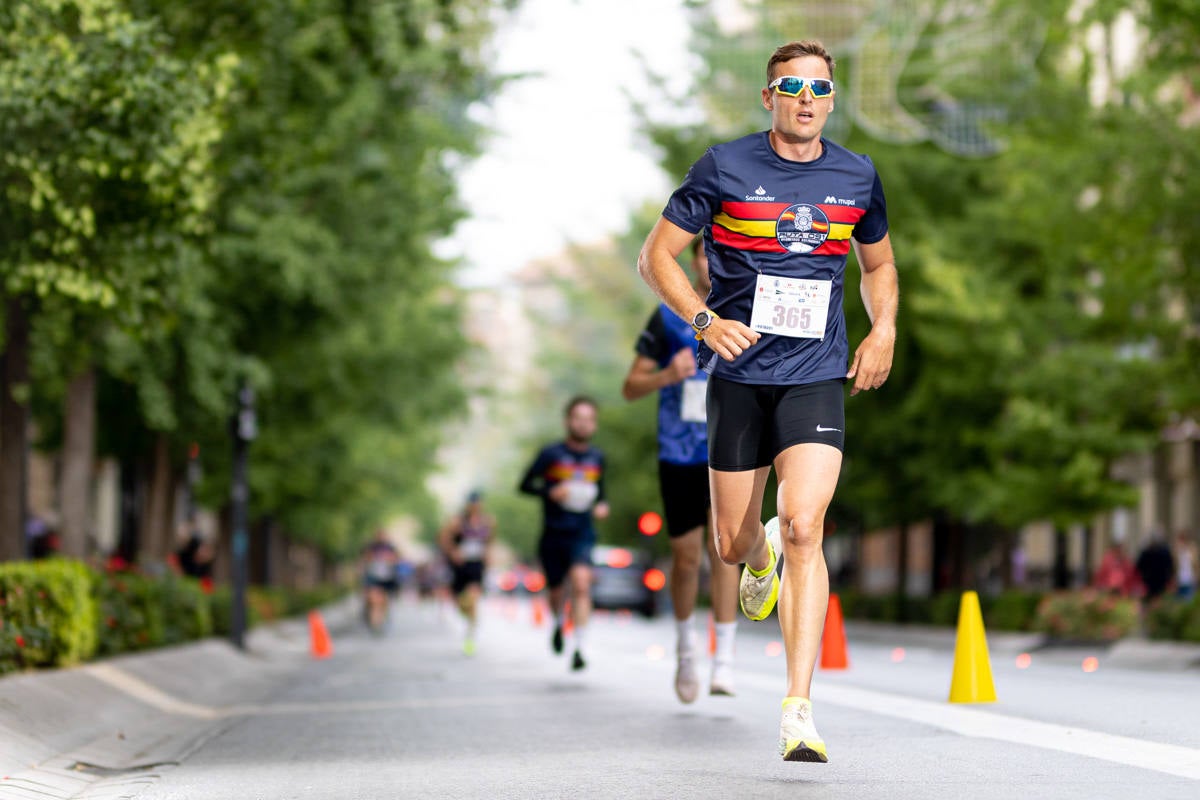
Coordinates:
809	752
767	606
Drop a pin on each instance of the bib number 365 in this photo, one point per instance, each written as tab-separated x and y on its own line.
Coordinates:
791	307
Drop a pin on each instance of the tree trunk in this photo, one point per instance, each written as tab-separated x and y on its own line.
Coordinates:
14	430
1062	573
79	445
159	536
902	574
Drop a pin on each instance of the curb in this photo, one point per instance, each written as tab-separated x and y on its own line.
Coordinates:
116	723
1132	652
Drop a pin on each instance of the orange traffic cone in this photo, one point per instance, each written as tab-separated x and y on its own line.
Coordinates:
322	647
712	635
539	614
833	639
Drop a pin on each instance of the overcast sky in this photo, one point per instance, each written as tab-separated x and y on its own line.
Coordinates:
564	161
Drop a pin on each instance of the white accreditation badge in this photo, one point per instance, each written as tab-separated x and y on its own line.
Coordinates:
791	306
694	407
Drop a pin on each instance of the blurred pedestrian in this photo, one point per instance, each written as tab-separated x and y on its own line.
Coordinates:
1156	566
780	211
1116	573
195	556
1185	564
666	363
569	477
465	540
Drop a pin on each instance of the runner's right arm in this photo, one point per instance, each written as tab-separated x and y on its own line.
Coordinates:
659	267
534	480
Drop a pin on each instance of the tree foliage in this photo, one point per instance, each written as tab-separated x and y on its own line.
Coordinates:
218	191
1047	312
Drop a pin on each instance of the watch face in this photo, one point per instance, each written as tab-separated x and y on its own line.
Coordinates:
702	319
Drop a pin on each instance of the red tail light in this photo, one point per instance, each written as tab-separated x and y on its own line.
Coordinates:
535	582
654	579
619	558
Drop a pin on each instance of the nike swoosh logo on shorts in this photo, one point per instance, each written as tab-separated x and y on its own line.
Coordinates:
825	430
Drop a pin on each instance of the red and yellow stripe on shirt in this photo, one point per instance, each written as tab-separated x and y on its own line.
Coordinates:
751	226
566	472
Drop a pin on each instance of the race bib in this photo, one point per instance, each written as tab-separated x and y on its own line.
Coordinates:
694	406
472	549
381	570
791	307
581	495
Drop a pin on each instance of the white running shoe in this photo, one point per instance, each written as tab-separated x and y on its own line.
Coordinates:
757	594
721	682
798	737
774	536
687	682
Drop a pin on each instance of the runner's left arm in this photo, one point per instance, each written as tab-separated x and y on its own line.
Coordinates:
880	289
600	509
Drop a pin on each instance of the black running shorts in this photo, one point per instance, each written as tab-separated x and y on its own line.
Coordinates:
558	553
685	496
749	425
465	574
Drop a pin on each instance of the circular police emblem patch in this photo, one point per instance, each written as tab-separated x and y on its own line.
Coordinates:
802	228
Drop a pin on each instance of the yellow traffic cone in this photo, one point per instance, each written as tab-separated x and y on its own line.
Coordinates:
972	679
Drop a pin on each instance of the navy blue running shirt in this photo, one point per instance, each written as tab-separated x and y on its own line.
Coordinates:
761	213
559	463
679	441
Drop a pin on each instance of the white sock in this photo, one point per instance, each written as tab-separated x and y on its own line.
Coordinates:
558	619
683	637
725	633
579	639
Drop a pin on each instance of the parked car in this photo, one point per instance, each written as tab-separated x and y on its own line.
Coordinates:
626	578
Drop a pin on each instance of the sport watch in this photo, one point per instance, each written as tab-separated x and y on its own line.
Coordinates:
701	321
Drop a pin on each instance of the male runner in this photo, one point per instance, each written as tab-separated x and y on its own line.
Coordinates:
569	477
465	539
780	210
666	363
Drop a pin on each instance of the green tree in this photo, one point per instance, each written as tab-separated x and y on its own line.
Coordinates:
106	138
337	177
1032	322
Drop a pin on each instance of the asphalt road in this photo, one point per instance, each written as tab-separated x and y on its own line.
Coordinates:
408	715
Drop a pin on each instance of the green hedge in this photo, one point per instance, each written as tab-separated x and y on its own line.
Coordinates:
58	612
1007	611
1012	610
136	611
267	604
1087	615
47	615
1172	618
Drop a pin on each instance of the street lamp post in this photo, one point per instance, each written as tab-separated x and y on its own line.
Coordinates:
244	428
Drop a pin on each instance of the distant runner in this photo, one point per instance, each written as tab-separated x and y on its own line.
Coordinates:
569	477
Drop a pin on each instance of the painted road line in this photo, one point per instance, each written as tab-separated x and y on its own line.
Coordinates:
977	723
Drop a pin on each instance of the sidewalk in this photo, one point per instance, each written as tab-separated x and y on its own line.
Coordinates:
113	721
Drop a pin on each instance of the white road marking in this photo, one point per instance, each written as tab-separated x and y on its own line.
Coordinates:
975	722
140	690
